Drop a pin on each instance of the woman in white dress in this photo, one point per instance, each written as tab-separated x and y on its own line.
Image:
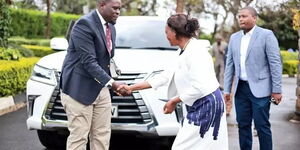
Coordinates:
194	83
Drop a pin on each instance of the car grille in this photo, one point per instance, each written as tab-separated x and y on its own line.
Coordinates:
131	109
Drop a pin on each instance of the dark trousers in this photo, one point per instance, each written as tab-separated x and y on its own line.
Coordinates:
249	107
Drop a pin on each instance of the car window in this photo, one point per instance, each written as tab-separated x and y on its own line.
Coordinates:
144	34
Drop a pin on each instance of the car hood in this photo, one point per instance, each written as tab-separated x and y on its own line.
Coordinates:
128	60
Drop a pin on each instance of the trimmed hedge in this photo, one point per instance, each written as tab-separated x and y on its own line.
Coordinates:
290	62
290	67
14	75
24	41
32	23
285	55
39	51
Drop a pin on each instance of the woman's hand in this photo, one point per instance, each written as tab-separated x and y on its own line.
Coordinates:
171	105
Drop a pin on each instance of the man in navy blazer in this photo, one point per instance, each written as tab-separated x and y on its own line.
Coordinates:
85	78
253	59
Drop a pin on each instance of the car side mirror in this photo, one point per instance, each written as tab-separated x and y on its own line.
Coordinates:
59	44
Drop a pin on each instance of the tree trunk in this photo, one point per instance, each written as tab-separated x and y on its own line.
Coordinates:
48	19
296	117
180	6
298	79
9	2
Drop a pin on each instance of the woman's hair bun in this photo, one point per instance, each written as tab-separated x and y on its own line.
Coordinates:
192	25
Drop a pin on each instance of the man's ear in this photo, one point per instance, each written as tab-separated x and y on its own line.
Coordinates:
100	4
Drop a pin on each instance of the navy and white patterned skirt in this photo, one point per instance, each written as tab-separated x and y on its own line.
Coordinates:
206	112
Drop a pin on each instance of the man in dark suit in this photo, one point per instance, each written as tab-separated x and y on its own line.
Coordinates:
253	60
85	79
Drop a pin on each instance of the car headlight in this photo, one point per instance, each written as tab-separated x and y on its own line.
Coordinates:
43	74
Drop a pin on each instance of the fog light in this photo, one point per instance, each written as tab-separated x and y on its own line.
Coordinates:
30	103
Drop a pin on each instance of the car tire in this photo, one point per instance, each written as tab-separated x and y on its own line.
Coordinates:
52	139
166	142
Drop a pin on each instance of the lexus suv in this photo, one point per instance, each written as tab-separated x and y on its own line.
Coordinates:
142	51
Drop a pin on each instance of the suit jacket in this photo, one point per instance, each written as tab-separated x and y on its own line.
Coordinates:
85	69
263	63
192	78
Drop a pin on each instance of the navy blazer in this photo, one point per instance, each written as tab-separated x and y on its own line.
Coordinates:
85	70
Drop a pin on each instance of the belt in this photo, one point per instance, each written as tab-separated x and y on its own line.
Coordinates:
243	81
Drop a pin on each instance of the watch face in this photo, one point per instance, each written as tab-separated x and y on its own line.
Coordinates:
109	86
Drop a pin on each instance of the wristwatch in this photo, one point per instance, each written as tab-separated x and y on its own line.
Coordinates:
109	85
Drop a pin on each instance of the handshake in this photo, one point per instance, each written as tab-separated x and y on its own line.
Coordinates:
121	88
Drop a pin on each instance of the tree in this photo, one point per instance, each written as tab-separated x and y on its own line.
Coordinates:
219	10
71	6
138	7
48	19
179	6
26	4
296	26
5	22
279	19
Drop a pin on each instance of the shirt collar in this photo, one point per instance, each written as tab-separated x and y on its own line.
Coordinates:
250	32
101	18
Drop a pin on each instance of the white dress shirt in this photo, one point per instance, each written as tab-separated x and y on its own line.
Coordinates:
193	78
244	48
103	22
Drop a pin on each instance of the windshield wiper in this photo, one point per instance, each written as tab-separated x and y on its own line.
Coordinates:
158	47
123	47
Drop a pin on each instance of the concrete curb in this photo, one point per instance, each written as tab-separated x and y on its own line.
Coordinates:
11	103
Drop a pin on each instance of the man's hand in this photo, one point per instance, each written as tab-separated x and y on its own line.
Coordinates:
227	97
116	84
124	89
277	97
117	90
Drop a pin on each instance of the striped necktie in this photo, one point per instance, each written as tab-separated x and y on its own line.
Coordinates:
108	38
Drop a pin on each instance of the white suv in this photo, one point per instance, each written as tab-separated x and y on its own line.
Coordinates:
142	51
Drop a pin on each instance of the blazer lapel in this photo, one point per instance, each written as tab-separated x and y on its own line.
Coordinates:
238	48
252	40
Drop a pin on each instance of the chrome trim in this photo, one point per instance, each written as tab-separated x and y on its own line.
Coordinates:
129	110
148	127
124	104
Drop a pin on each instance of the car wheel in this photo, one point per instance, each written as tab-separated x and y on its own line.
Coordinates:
166	143
52	139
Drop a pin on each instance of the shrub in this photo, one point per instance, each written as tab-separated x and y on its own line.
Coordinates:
31	23
9	54
39	51
290	62
5	20
14	75
285	55
24	41
290	67
24	51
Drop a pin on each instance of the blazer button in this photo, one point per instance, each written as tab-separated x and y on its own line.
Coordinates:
108	66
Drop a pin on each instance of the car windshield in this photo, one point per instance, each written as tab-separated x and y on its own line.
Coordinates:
145	34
